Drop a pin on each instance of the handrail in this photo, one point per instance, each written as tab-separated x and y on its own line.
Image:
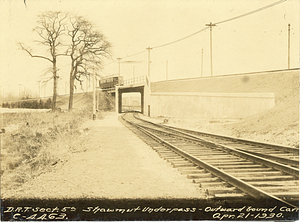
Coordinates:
136	80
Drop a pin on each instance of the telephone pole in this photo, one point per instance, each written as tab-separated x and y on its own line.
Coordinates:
133	72
149	63
119	59
202	63
210	28
167	67
289	44
94	96
19	91
39	84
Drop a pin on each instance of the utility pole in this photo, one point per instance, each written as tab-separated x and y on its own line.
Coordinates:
39	88
133	72
289	44
202	63
149	64
19	91
97	94
167	70
94	96
119	59
211	64
45	89
2	95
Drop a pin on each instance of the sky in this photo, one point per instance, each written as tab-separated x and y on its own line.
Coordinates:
251	43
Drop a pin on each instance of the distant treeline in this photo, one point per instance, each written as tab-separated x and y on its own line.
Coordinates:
29	104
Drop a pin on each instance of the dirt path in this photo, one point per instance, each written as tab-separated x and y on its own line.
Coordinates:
112	163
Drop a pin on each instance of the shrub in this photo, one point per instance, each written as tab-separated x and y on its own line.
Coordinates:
36	144
41	104
48	104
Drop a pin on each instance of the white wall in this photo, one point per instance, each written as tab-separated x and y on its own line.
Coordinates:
210	105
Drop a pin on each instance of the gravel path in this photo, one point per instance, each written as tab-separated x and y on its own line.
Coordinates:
112	163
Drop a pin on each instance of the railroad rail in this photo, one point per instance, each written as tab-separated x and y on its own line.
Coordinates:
222	171
282	154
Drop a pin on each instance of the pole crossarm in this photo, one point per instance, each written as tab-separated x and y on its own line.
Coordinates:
210	24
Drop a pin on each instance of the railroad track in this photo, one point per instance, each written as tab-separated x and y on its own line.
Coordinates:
222	171
282	154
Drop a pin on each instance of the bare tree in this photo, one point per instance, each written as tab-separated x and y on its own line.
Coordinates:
50	28
87	49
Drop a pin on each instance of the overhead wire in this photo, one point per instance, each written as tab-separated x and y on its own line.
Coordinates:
134	54
201	30
155	47
252	12
126	57
227	20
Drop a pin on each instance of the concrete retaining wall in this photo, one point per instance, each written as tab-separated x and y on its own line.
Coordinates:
210	105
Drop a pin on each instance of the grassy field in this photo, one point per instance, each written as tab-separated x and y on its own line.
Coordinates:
34	142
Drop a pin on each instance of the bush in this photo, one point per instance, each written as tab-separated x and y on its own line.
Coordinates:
29	104
38	141
41	104
106	102
48	104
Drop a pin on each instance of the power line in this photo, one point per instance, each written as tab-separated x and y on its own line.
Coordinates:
201	30
252	12
134	54
227	20
126	57
181	38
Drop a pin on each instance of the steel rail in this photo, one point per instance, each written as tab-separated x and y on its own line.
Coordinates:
249	142
287	169
265	156
247	188
275	158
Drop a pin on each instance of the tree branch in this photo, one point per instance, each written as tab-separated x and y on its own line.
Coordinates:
34	56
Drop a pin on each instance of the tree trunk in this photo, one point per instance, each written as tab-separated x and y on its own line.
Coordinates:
71	93
54	85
